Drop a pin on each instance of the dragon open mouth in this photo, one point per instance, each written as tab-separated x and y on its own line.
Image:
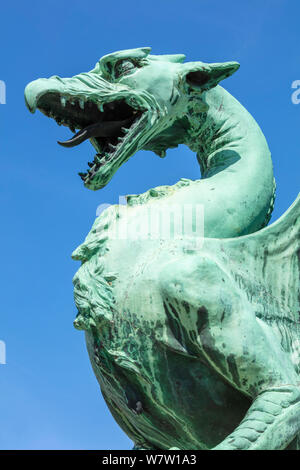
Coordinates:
112	128
129	101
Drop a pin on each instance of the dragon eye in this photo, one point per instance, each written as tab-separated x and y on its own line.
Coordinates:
123	67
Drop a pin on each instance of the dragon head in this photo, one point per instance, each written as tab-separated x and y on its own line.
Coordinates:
130	101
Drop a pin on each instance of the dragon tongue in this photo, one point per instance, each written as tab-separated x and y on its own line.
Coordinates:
100	129
78	138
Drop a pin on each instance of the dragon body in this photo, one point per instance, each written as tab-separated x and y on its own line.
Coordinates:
194	337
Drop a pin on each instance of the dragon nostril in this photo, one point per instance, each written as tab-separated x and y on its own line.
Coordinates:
198	78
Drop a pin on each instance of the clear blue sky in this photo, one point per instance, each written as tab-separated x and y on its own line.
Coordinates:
49	397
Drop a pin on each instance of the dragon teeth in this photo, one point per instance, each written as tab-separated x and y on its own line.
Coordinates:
100	107
99	159
81	103
63	101
112	147
82	175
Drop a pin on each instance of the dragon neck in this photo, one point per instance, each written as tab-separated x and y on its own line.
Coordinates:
237	187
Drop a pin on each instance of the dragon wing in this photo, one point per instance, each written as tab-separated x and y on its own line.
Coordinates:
268	261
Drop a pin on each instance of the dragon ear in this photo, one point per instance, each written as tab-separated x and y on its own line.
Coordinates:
201	76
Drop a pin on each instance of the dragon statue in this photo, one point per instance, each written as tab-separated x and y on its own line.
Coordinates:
195	345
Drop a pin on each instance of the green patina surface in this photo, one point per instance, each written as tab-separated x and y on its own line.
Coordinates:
195	341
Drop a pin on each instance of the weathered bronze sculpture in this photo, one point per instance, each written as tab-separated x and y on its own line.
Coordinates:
195	346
